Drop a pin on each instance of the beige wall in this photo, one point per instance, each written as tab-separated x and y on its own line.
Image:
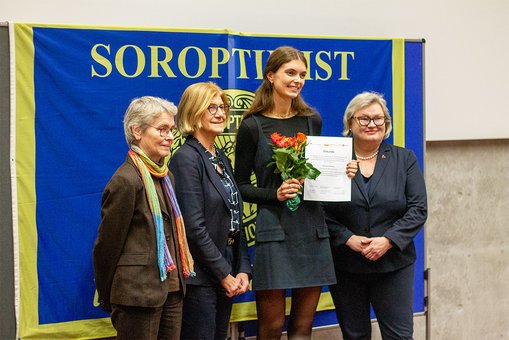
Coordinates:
467	239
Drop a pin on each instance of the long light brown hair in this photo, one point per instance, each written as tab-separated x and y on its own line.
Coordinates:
263	101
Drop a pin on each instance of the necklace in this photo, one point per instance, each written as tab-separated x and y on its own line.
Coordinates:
367	157
275	115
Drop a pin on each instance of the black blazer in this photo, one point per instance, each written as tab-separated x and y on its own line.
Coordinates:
394	205
203	202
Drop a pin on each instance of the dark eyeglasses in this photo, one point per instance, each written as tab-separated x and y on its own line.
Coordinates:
364	120
214	107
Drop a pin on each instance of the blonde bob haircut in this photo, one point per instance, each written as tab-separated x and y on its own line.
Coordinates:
142	112
361	101
194	104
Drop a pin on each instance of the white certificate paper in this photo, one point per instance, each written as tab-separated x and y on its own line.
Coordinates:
330	155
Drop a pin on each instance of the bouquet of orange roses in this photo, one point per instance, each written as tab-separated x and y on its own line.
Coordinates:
288	157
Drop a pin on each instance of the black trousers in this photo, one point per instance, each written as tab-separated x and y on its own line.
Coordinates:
150	323
207	312
391	295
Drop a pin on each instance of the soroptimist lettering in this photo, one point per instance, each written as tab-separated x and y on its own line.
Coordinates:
131	61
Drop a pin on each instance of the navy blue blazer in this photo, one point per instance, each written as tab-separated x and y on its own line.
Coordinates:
203	202
393	205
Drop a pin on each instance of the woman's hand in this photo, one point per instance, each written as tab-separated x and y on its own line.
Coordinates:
288	189
231	285
376	247
351	168
244	283
358	243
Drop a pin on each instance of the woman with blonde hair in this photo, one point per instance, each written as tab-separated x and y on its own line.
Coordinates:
212	208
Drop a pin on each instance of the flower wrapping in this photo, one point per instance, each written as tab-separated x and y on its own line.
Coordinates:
290	161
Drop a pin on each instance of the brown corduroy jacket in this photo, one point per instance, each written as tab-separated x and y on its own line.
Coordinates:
125	251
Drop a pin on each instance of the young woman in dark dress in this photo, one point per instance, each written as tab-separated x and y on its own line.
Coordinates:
292	248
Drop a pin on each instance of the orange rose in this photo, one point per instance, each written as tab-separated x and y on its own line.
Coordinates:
301	138
275	137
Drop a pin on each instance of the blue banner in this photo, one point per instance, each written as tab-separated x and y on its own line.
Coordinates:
73	86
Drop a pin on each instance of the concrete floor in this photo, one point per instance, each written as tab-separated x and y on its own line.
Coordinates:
334	333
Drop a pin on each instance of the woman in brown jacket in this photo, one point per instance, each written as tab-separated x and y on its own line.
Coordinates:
140	255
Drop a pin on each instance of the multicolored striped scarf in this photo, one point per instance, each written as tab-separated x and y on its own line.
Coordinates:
148	168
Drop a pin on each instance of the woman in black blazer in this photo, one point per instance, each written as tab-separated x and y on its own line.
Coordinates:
372	235
212	209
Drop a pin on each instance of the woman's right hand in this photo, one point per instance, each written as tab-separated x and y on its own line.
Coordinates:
288	189
231	285
358	243
351	168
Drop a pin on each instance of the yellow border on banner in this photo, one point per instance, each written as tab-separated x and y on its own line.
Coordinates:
28	323
25	177
199	30
127	28
398	91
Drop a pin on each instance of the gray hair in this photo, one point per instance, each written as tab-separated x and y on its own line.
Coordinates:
361	101
142	112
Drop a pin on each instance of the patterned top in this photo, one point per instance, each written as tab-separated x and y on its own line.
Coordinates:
229	188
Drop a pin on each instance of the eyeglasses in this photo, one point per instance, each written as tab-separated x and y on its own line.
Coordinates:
165	132
365	121
214	107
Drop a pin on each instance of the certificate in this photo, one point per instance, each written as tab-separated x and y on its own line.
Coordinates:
330	155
